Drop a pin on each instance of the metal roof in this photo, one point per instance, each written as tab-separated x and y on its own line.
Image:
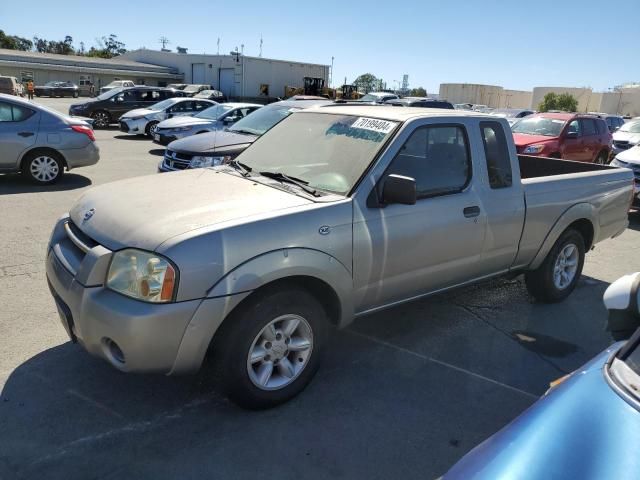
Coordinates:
17	58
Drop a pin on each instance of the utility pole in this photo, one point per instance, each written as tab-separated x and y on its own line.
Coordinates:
164	41
218	46
331	74
260	46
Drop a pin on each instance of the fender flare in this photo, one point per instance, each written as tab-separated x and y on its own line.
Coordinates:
290	262
580	211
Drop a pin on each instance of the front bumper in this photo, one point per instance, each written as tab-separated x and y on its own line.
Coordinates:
164	138
167	338
134	127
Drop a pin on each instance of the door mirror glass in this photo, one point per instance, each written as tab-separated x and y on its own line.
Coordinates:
399	189
572	134
229	120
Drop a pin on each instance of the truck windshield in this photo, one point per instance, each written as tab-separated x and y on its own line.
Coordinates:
549	127
631	127
329	152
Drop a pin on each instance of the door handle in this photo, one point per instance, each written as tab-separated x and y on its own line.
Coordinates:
26	134
470	212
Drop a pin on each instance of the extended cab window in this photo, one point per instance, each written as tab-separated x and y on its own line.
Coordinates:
437	158
496	152
13	113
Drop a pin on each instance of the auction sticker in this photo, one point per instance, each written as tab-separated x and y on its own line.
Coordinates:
374	124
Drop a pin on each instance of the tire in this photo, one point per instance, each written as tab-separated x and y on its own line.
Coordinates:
43	168
602	158
150	129
76	94
101	119
244	332
543	283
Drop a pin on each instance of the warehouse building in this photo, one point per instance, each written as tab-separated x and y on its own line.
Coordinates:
236	75
45	67
490	95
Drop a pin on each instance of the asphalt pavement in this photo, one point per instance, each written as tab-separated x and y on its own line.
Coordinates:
403	393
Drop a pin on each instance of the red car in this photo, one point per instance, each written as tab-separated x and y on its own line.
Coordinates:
584	138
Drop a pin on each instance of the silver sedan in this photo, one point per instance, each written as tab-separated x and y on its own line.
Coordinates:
41	143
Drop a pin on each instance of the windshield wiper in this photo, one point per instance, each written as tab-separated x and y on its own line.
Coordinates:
244	170
303	184
241	131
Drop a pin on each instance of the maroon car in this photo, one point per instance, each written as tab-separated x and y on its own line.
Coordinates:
571	136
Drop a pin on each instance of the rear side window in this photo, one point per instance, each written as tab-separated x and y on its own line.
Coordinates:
14	113
496	152
437	158
589	127
604	128
149	95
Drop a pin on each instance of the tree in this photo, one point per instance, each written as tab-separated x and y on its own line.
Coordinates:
418	92
366	82
565	102
13	42
61	47
108	47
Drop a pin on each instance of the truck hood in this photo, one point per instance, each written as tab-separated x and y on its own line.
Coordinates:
143	212
138	112
626	137
523	139
631	155
211	142
184	121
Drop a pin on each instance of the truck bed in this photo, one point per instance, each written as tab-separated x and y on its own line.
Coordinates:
552	187
532	167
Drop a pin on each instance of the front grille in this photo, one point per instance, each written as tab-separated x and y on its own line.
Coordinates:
176	160
124	127
622	144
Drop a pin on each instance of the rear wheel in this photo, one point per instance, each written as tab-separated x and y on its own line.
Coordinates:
558	275
269	349
43	168
602	158
101	119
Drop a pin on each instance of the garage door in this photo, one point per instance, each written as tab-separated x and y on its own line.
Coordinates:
227	81
197	73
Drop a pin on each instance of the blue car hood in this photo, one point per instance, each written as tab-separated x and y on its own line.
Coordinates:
581	430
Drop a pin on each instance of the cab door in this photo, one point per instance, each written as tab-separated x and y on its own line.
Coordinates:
402	251
592	138
574	147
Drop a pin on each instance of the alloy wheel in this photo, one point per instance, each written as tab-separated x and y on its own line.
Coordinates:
566	266
280	352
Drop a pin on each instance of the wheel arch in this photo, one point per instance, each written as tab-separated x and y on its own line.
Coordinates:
42	150
581	217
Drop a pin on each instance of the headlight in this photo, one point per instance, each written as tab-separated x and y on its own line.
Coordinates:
135	118
142	275
615	162
201	162
182	129
533	149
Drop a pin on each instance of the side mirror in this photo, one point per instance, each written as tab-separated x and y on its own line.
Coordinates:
571	134
399	189
169	115
229	120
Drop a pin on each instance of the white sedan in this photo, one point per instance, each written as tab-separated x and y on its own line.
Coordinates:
143	121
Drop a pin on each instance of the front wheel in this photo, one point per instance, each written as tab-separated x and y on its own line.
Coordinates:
269	349
150	129
76	94
101	119
558	275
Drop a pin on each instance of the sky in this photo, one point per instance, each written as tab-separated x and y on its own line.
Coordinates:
513	44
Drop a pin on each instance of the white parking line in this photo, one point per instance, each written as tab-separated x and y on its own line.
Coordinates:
444	364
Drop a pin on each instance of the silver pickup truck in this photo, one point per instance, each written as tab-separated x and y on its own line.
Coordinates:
336	212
